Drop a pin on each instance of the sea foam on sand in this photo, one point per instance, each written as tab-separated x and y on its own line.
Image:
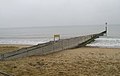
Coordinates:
106	42
23	41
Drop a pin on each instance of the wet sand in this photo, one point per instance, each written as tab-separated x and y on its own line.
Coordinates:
11	47
85	61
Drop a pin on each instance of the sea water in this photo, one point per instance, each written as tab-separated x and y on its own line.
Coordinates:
111	40
42	34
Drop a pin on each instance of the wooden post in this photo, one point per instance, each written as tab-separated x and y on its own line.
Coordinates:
2	57
106	28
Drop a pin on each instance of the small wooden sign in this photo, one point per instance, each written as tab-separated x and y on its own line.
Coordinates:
56	36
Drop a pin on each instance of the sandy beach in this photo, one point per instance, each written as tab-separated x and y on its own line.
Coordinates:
85	61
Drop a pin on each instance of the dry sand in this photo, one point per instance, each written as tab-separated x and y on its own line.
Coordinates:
84	61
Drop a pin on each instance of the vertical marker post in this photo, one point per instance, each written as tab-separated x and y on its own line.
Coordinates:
106	28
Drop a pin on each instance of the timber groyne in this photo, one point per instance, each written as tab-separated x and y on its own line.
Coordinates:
50	47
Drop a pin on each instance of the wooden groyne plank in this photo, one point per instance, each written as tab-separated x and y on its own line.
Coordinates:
52	46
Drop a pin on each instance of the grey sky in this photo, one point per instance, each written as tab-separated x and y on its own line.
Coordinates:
17	13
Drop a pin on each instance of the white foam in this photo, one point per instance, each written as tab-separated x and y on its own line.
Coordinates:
106	42
23	41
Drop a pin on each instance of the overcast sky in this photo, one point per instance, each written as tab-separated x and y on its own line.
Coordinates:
20	13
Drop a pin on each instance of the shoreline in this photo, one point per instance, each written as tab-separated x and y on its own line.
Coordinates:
29	45
16	45
11	47
102	47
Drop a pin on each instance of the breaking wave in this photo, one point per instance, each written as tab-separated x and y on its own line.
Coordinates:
23	41
108	42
